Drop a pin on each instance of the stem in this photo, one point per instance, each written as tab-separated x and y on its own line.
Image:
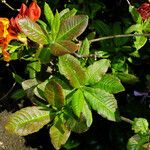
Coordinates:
4	1
9	91
118	36
126	120
128	2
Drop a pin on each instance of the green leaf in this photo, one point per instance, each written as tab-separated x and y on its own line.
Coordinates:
104	103
48	14
63	47
85	47
17	78
102	28
117	29
77	102
140	125
55	26
72	27
135	15
67	14
70	67
136	142
18	94
63	12
59	134
54	94
33	68
27	84
146	25
140	42
44	55
97	70
110	83
127	78
134	28
39	90
83	123
33	31
28	120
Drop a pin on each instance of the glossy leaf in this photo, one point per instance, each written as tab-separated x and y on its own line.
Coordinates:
63	47
33	68
55	26
133	28
72	27
140	125
135	15
140	42
127	78
33	31
59	134
54	94
97	70
28	120
83	123
136	142
110	83
70	67
39	90
84	49
27	84
104	103
48	14
67	14
146	25
44	55
77	102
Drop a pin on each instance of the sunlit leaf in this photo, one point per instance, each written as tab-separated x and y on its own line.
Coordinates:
59	134
136	142
77	102
140	42
72	27
27	84
83	123
110	83
33	31
28	120
63	47
84	49
55	26
97	70
54	94
48	14
104	103
135	15
140	125
67	14
70	67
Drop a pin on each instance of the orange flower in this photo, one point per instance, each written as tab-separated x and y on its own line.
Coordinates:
6	35
144	11
33	12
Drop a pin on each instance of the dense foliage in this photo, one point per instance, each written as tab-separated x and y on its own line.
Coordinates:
79	62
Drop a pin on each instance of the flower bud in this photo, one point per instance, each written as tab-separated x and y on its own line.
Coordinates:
34	11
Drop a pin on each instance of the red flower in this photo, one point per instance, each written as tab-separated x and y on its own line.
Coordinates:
33	12
144	11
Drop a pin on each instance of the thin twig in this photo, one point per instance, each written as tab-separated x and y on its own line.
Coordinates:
126	120
9	91
128	2
118	36
4	1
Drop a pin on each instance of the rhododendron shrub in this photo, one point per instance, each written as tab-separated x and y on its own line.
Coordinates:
68	77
